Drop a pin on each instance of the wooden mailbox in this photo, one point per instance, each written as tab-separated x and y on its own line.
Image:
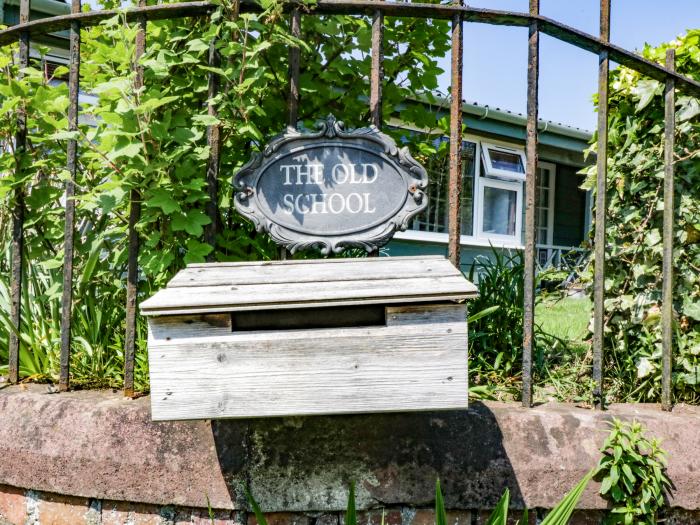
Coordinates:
328	336
307	337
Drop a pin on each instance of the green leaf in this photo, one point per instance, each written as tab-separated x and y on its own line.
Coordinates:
192	222
561	514
161	199
128	151
499	516
196	251
440	513
351	511
259	516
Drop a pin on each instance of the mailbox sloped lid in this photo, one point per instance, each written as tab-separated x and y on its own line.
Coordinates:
228	287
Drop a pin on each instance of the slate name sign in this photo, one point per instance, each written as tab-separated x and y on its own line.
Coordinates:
332	189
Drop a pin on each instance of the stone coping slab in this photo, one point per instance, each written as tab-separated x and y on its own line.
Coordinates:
97	444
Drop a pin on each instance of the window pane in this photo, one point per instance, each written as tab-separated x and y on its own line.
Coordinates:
504	160
435	217
499	211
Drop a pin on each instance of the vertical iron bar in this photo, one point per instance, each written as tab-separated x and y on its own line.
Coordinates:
377	71
132	278
667	294
533	71
69	226
294	60
293	104
455	180
214	143
18	213
601	209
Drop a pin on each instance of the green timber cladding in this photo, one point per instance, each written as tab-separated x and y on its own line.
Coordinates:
563	208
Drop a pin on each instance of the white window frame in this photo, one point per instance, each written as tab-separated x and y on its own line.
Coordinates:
478	238
497	172
517	187
550	205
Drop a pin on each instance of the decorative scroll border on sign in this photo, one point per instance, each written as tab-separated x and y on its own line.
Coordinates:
332	132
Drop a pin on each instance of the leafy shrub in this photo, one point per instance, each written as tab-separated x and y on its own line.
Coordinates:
152	141
633	237
632	474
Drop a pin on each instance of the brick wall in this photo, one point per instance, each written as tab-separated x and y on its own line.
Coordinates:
28	507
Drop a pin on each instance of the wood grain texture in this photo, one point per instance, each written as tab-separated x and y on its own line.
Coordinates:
310	271
285	284
286	295
401	367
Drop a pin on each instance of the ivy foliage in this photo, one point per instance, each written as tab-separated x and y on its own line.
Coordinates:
634	232
150	143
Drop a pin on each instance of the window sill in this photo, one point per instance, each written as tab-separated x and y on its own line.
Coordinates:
441	238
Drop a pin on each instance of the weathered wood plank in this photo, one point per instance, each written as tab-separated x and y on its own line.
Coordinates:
179	326
306	372
284	295
426	314
303	262
354	269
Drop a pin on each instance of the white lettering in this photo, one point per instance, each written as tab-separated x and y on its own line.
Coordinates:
366	178
318	205
286	168
288	203
335	175
330	203
348	203
297	204
367	210
312	173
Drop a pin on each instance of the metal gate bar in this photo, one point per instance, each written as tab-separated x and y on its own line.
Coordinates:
69	226
669	209
17	262
601	209
454	193
132	272
533	72
457	13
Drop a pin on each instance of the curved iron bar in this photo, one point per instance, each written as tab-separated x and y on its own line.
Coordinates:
469	14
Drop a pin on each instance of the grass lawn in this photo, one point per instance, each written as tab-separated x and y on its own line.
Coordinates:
566	361
564	317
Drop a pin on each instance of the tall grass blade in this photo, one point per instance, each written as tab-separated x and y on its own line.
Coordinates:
561	514
499	516
259	516
440	514
351	511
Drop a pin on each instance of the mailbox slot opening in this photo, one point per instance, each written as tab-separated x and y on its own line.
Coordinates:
307	318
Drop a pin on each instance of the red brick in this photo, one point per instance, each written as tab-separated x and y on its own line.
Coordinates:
683	517
13	506
514	516
588	517
120	513
281	518
203	517
427	517
328	519
374	517
55	509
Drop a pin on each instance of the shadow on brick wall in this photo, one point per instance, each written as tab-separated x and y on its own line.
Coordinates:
307	463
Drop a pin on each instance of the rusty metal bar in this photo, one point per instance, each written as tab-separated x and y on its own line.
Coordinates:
17	261
389	8
214	143
293	72
667	283
377	70
533	72
454	193
601	210
69	226
294	63
132	277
